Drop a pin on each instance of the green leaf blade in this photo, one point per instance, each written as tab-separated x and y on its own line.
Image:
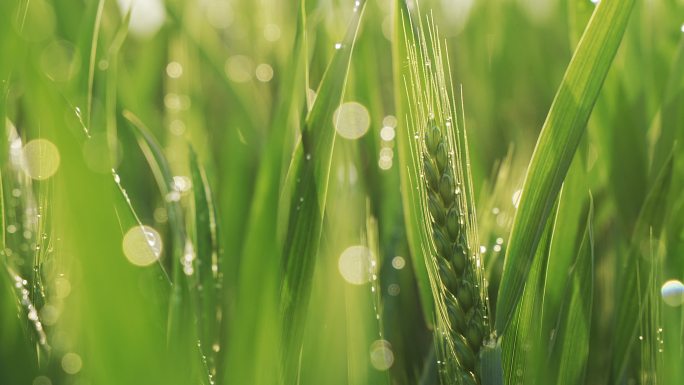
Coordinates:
570	350
308	182
559	138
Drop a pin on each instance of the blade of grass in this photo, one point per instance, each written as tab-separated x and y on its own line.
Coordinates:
579	12
570	347
91	61
208	267
184	328
558	140
261	253
164	178
635	272
491	365
308	176
672	115
87	43
564	242
523	347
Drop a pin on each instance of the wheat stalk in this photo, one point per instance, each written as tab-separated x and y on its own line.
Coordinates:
449	226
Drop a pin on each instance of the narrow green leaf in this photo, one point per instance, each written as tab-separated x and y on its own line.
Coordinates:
261	253
671	126
559	138
184	322
91	60
579	12
570	344
635	272
162	173
208	261
524	345
566	236
308	180
87	44
164	178
491	365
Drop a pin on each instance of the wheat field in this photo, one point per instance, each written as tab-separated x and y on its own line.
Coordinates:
386	192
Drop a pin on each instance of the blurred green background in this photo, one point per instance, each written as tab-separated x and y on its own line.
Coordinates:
128	91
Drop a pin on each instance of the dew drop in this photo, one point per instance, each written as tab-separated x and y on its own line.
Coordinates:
181	183
264	72
387	133
147	16
672	292
381	355
177	127
72	363
398	262
42	159
174	70
142	245
351	120
355	264
389	121
173	196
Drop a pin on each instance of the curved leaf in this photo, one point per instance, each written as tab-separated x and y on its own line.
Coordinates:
558	140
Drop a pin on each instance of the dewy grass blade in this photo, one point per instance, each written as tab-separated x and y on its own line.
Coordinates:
208	262
524	346
91	63
261	253
570	347
308	176
183	329
635	272
563	248
162	173
559	138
